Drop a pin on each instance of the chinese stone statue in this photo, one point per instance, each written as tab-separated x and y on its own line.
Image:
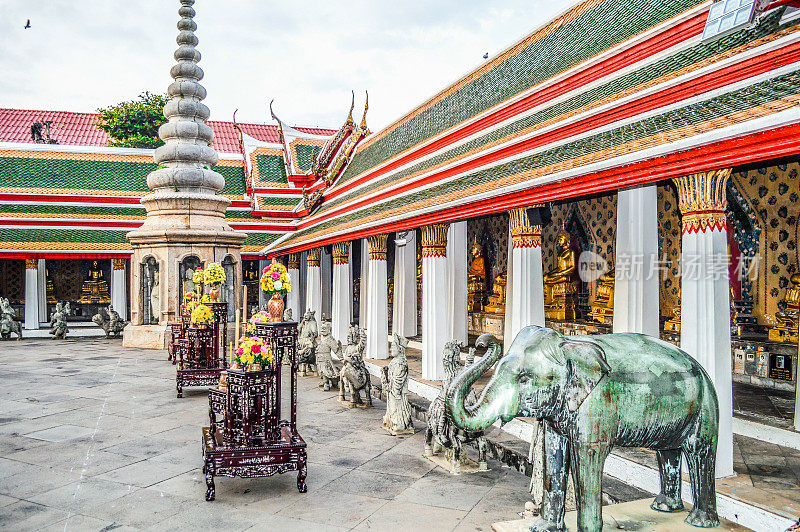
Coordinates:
108	319
786	328
8	324
354	376
95	288
594	393
497	301
287	315
394	381
603	304
307	344
476	279
326	348
441	433
58	321
559	284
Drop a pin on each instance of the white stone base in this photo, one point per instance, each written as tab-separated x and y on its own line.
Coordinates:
145	336
468	465
634	515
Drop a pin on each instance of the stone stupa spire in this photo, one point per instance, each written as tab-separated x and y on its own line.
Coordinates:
185	223
185	184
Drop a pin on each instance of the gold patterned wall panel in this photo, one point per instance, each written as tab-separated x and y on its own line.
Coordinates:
772	193
669	248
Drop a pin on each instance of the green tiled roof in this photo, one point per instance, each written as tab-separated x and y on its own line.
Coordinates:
120	212
599	28
699	52
305	154
734	101
260	239
271	169
62	235
33	172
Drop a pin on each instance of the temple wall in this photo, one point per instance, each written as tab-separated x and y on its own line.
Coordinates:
669	248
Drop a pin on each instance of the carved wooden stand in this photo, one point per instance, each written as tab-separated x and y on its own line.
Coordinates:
200	354
252	440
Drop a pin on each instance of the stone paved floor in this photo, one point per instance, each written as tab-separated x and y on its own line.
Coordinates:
93	438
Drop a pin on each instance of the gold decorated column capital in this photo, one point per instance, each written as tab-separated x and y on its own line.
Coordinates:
31	264
312	257
523	234
118	264
434	240
702	201
377	247
293	263
341	251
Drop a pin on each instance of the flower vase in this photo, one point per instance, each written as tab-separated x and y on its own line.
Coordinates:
275	307
253	367
213	294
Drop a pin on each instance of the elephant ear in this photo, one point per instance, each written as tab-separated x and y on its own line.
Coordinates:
586	364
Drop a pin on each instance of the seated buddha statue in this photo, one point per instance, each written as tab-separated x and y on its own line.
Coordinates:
674	323
50	291
786	328
497	301
95	288
559	286
603	304
476	279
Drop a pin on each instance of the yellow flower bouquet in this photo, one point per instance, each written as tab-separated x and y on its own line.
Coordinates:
202	315
197	276
253	351
214	274
262	316
275	279
189	296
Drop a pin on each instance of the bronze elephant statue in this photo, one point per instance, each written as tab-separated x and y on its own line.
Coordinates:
594	393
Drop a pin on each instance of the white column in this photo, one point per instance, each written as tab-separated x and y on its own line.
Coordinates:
293	298
705	305
434	300
362	296
377	300
342	292
119	288
314	283
42	274
457	282
404	306
31	294
326	275
525	290
636	280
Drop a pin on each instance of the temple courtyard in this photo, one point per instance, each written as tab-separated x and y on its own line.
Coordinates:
93	438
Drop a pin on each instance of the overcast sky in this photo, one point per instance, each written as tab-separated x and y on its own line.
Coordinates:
79	55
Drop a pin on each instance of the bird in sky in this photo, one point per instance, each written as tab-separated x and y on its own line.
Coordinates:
28	24
486	55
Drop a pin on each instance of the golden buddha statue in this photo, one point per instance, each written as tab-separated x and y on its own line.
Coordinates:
95	288
497	301
559	286
786	328
603	304
674	323
476	279
49	290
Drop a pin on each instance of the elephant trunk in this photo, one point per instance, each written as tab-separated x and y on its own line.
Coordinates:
474	418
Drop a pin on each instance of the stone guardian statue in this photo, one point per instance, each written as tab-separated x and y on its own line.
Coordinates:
394	381
354	375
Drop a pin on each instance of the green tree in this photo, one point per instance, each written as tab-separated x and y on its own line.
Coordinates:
134	124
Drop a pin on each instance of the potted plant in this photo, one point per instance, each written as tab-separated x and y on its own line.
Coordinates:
197	279
188	298
275	281
202	316
213	276
252	355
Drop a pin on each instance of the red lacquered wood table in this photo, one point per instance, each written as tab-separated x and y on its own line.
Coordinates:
247	436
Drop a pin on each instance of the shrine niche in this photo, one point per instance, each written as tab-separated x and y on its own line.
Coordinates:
185	272
94	289
566	296
227	292
250	276
487	238
150	291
